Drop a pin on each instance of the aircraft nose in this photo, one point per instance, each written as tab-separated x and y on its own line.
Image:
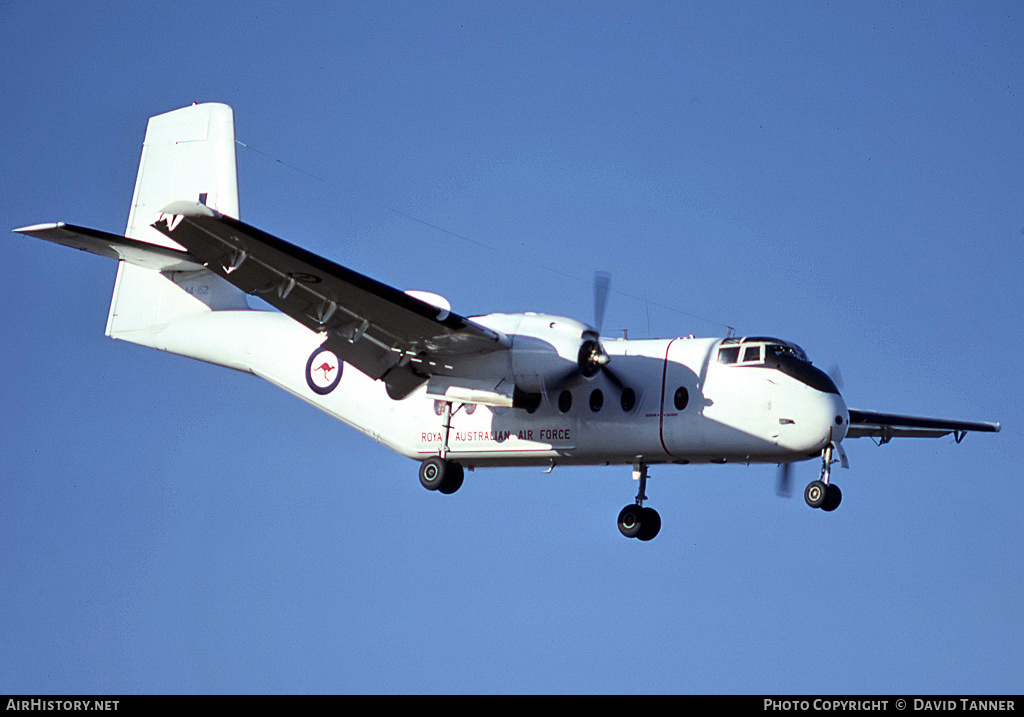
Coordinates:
823	417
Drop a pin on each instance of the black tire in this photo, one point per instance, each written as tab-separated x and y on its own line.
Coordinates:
432	473
650	524
833	497
453	480
631	520
443	476
815	493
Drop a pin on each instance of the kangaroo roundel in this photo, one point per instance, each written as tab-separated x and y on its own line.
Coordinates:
323	371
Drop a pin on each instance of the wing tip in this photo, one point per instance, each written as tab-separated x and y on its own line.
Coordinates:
33	228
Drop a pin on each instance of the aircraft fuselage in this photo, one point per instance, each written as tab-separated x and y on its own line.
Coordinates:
678	403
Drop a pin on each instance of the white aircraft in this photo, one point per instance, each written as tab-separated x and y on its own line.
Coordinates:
449	391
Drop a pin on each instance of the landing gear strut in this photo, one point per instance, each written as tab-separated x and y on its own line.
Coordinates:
636	521
820	493
437	472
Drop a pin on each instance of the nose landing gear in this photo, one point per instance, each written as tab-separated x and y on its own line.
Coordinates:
636	521
820	493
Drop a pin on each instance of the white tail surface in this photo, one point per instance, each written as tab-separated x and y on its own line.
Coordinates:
188	154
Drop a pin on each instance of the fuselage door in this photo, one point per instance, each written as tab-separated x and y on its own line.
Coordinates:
682	398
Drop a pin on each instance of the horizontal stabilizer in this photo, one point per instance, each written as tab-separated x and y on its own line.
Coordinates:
114	246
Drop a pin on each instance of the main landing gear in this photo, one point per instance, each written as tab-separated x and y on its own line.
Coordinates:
441	475
636	521
820	493
437	472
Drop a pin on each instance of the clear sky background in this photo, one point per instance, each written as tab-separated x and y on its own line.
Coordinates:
846	176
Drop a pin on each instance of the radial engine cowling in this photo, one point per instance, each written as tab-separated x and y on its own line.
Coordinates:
552	351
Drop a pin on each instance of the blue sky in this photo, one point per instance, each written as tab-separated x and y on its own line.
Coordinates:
848	178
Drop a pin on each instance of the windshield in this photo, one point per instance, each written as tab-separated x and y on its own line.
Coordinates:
776	354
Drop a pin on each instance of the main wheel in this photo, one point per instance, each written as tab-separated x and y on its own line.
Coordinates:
650	524
833	497
432	472
440	475
814	493
453	480
630	520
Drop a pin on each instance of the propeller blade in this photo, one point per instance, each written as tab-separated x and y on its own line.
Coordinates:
613	378
602	285
836	375
784	486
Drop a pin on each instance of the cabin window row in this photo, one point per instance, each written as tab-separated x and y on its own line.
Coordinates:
627	400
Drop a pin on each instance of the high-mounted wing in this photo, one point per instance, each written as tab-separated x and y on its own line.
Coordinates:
382	331
886	426
113	246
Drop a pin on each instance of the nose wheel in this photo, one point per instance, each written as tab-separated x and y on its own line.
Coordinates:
826	496
820	493
636	521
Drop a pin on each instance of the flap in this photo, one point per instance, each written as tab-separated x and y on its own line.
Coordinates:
372	326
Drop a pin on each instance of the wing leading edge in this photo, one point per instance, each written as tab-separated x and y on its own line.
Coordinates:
382	331
886	426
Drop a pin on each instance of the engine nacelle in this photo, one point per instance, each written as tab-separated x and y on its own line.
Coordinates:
544	354
550	351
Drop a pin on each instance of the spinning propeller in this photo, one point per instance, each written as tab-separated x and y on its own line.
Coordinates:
592	357
602	286
784	484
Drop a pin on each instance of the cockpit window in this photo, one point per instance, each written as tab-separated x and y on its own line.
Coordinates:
791	360
777	354
787	350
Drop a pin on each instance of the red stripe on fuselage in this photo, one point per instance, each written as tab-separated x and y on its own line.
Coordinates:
661	408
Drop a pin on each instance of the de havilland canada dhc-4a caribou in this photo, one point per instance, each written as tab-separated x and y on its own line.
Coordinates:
449	391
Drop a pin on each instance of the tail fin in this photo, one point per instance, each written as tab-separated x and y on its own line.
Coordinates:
188	154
